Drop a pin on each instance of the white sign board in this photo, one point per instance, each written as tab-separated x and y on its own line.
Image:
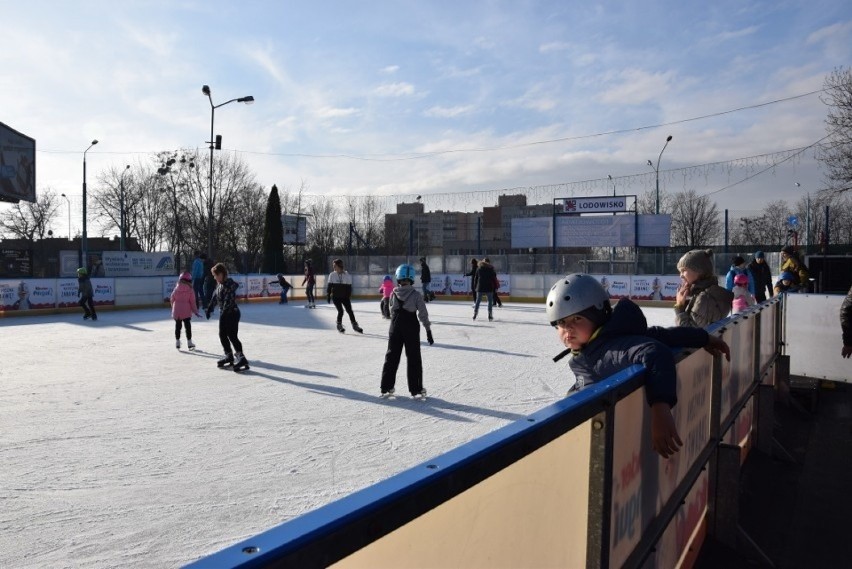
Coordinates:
590	205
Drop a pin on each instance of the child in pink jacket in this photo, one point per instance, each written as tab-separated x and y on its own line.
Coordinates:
183	307
742	297
386	289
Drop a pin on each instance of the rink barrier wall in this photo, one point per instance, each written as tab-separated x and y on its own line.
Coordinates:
574	484
60	295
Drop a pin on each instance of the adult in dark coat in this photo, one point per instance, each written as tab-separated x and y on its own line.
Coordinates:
846	324
762	277
485	278
474	264
425	279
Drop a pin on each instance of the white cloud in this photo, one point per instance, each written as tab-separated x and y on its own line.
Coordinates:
831	32
390	69
736	34
394	89
330	113
448	112
553	46
637	86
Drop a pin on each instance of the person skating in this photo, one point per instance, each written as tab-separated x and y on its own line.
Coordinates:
406	306
311	280
225	296
426	280
285	288
762	277
340	290
484	279
184	305
386	290
603	341
86	294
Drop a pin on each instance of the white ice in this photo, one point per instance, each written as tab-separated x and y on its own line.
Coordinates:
117	450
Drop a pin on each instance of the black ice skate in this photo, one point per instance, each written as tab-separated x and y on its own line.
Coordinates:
241	363
340	328
227	361
357	328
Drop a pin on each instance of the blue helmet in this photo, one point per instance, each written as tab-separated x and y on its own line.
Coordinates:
788	276
387	278
404	272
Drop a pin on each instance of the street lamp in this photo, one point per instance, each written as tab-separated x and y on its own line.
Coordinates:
122	216
657	172
217	144
84	245
69	215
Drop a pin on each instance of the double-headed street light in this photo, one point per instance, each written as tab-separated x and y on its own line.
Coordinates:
215	143
84	245
69	215
657	172
122	216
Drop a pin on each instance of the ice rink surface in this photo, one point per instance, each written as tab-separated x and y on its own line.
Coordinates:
117	450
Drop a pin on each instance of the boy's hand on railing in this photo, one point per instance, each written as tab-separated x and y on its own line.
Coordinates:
664	437
716	346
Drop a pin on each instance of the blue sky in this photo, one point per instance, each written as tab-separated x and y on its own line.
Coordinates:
454	101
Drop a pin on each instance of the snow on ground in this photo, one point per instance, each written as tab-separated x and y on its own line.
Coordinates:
119	450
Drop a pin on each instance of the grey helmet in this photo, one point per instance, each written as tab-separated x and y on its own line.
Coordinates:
576	293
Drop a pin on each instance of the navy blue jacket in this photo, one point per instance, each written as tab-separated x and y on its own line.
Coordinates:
625	340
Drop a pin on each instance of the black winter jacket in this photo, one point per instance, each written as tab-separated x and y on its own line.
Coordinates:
485	277
762	277
846	318
625	340
425	273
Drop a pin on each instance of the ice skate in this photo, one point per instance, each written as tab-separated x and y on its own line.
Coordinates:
86	316
387	394
228	360
357	328
177	343
490	318
94	316
190	344
241	363
419	396
340	328
474	314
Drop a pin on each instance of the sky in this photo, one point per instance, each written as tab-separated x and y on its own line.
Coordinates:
156	468
454	101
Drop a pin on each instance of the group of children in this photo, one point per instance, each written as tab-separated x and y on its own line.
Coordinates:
601	339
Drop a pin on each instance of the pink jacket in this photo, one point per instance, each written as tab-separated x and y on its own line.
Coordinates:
386	289
183	302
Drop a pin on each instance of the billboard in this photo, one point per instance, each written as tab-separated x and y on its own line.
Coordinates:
295	229
17	166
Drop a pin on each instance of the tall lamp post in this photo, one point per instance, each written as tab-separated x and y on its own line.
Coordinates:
215	144
69	215
84	245
657	172
122	216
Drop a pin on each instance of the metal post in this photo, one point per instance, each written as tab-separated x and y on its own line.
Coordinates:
657	170
84	245
122	216
69	216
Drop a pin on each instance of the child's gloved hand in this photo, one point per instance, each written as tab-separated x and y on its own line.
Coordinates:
717	346
207	314
429	337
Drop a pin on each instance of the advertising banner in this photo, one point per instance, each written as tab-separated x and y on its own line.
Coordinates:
27	293
66	292
169	284
617	286
104	292
137	264
450	284
259	286
654	287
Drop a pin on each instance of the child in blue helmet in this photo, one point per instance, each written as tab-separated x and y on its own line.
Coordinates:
786	282
406	306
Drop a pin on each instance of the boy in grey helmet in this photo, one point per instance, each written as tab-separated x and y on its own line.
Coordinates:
603	341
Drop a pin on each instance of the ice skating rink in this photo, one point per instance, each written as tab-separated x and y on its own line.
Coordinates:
117	450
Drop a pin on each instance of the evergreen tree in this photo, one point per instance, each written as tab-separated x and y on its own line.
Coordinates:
273	236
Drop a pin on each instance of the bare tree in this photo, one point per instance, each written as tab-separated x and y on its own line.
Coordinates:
31	220
695	220
241	239
836	152
647	202
325	232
